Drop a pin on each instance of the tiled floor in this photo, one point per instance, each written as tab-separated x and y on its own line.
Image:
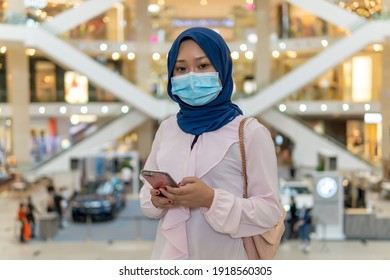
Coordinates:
140	250
136	249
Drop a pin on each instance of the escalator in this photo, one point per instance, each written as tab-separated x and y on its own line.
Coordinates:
331	13
308	143
371	32
76	16
95	141
69	57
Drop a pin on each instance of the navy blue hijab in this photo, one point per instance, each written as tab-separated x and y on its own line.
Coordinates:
199	119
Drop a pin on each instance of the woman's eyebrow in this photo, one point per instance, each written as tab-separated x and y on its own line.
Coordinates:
197	58
200	57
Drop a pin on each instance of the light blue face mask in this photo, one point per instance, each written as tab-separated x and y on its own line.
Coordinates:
196	89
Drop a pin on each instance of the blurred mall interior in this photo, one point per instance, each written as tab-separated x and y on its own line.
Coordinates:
83	90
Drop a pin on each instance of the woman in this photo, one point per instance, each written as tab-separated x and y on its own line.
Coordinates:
206	216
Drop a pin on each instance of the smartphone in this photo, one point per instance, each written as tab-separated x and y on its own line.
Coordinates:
158	179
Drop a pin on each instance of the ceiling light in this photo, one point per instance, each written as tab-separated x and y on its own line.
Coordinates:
252	38
30	52
249	55
243	47
65	144
74	119
41	110
377	47
282	108
131	56
84	109
279	140
125	109
104	109
35	4
275	54
123	47
115	56
292	54
372	118
103	47
235	55
153	8
63	109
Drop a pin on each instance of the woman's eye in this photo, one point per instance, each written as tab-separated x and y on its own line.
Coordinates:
180	69
203	66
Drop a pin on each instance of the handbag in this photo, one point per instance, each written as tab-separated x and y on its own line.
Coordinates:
261	246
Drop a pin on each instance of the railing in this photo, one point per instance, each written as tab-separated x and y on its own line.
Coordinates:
89	131
333	139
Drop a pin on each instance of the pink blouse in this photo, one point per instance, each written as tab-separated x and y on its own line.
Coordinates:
215	232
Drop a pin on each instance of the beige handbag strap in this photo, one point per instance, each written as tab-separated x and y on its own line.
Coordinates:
243	157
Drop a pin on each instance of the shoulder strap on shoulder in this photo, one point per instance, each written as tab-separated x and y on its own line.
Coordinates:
243	156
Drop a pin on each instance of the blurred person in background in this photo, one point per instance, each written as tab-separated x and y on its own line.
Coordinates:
303	226
25	232
30	215
293	218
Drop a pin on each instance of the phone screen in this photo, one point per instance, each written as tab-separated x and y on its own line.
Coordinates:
158	179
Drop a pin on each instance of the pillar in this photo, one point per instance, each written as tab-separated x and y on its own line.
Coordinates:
18	92
115	24
263	58
143	59
385	109
143	71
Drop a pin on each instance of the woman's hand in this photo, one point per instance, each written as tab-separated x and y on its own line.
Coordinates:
192	193
160	201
